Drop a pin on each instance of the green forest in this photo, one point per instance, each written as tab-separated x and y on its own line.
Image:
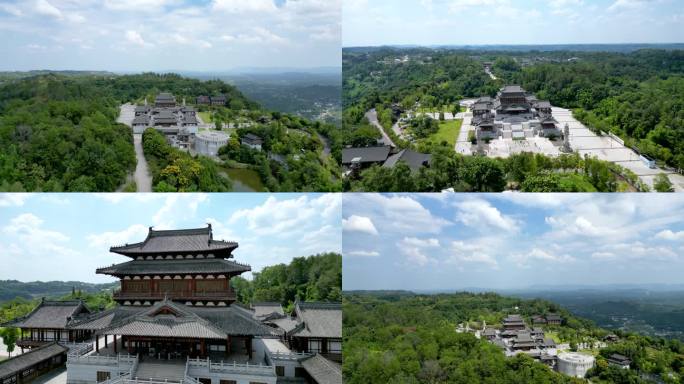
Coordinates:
312	278
638	96
401	337
59	132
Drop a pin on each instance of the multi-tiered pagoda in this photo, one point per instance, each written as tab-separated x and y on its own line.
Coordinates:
186	266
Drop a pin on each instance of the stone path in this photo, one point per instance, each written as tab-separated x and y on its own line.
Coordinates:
372	117
142	177
585	141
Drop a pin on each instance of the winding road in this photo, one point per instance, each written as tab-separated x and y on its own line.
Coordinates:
372	116
142	177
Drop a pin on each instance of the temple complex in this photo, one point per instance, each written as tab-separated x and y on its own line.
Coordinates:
177	320
513	114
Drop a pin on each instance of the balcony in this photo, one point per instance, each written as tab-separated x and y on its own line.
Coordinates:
228	295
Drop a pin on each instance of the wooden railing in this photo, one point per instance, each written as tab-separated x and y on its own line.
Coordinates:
227	294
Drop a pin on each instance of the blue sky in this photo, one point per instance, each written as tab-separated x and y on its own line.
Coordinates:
155	35
503	241
67	236
473	22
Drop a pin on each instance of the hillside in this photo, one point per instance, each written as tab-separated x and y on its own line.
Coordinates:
312	278
635	95
11	289
59	133
411	338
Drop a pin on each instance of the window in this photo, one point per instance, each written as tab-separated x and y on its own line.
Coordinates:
280	370
102	376
228	382
204	380
217	348
335	346
300	372
314	345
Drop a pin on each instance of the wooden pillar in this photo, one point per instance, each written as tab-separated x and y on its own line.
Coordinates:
97	343
228	345
202	349
249	346
115	351
128	344
106	340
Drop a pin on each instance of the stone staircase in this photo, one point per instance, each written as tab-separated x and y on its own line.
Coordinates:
160	371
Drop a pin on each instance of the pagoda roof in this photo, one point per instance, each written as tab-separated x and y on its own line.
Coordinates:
176	241
322	370
179	267
50	314
165	319
26	360
318	319
171	319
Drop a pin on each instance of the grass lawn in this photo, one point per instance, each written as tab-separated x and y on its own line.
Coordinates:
448	131
554	336
206	116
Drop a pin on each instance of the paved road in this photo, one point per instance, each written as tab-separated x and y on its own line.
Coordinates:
372	117
142	174
142	177
463	145
585	141
491	75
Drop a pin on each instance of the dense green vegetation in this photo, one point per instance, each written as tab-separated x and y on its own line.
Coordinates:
10	289
526	172
58	133
401	337
174	170
638	96
312	278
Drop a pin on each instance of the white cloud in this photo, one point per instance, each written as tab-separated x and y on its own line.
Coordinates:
621	5
670	235
359	224
423	243
13	199
11	9
415	256
362	253
522	259
134	37
242	6
603	256
483	215
287	217
471	252
399	213
137	5
132	234
43	7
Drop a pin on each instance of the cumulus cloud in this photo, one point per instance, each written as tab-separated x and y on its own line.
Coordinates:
537	254
668	234
481	214
470	252
134	37
241	6
13	199
356	223
361	253
134	233
43	7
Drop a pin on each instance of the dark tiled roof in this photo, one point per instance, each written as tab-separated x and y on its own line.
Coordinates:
542	104
265	309
322	370
253	139
512	89
104	319
189	119
142	119
415	160
318	320
367	154
186	321
553	316
50	314
620	359
147	267
24	361
179	240
165	96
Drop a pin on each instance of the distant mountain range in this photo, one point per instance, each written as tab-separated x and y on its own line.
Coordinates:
10	289
533	47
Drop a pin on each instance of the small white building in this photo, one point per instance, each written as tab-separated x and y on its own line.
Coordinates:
253	141
209	142
575	364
